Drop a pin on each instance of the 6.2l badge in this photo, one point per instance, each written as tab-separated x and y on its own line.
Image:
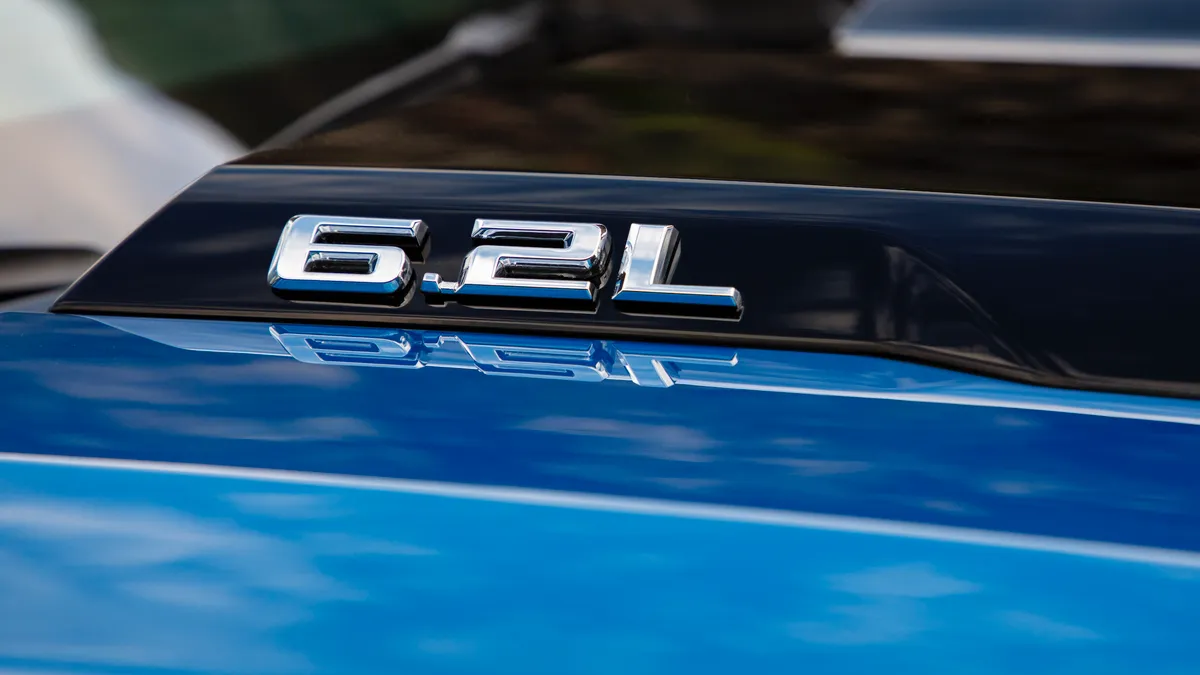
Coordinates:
516	259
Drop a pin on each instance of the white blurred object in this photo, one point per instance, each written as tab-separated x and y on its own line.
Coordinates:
1059	51
86	152
1123	33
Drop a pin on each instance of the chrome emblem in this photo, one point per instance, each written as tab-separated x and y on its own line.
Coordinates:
529	260
568	272
345	255
646	268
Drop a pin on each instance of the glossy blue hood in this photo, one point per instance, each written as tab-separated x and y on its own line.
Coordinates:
195	496
153	569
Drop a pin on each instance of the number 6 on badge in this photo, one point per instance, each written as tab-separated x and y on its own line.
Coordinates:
345	255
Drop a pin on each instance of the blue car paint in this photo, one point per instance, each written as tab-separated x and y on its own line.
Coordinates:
89	389
152	570
440	519
645	364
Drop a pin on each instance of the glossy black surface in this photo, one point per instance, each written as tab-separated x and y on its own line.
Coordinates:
1068	293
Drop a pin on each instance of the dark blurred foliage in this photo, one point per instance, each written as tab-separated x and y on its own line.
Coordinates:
255	65
1105	134
730	89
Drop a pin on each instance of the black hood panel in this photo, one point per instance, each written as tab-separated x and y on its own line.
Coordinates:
1063	293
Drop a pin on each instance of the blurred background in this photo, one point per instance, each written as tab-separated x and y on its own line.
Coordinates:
109	107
